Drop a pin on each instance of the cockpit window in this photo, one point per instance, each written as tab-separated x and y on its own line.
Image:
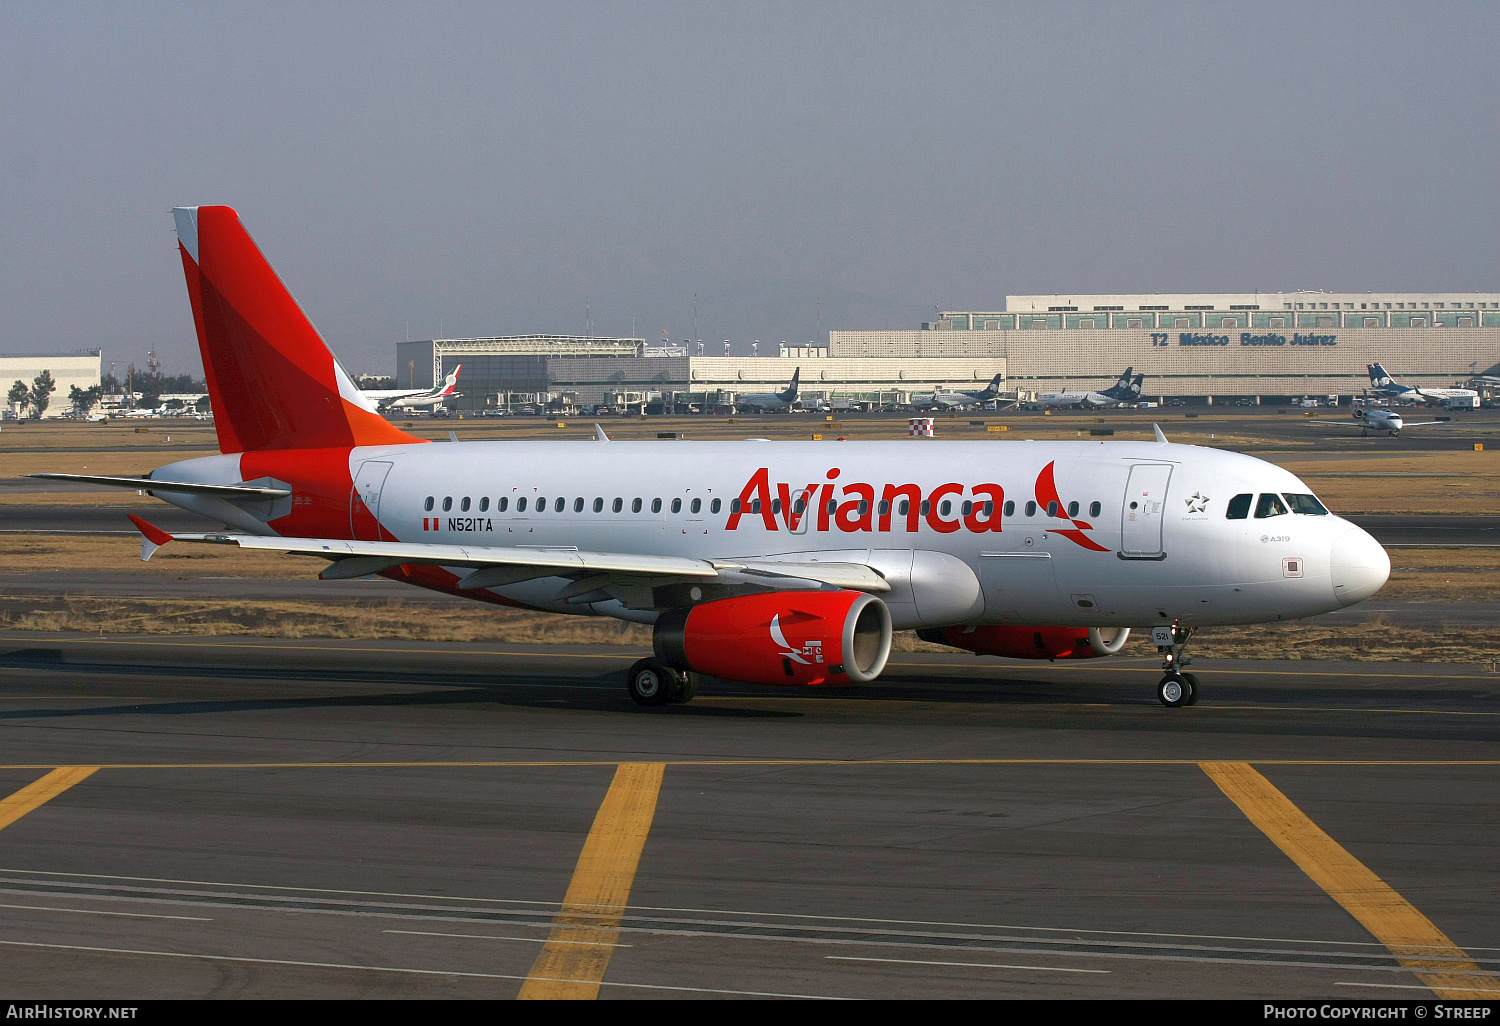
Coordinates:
1307	504
1239	506
1269	506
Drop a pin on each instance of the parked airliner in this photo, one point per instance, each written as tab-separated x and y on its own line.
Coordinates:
771	402
1123	392
761	562
1382	384
957	399
421	398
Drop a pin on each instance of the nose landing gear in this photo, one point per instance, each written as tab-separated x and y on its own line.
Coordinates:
1176	688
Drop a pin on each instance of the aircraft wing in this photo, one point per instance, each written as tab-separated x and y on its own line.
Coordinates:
495	566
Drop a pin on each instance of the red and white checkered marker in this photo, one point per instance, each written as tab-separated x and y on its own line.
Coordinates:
919	427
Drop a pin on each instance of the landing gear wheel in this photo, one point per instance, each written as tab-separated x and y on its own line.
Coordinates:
1192	679
650	682
1174	691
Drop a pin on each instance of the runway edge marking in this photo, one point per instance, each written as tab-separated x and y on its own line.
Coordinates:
41	791
1414	939
572	963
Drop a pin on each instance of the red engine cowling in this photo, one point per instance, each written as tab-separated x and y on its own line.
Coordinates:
783	637
1029	642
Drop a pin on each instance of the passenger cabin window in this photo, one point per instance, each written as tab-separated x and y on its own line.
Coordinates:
1031	509
904	508
885	507
713	507
577	505
697	505
1095	509
1269	506
635	505
677	505
541	505
656	505
428	504
502	503
598	505
484	504
1052	509
1073	508
463	504
1239	507
447	503
1010	507
946	507
521	504
557	507
1306	504
776	506
618	505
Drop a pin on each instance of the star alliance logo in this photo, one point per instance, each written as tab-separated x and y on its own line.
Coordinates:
1197	503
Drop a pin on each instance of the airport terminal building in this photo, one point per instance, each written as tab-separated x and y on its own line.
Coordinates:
595	370
1251	344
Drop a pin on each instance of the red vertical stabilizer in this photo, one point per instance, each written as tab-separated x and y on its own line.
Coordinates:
273	382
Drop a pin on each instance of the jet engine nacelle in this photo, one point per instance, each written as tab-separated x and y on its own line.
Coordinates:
783	637
1030	642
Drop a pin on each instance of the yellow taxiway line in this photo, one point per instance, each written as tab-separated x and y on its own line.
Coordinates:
40	792
571	964
1413	938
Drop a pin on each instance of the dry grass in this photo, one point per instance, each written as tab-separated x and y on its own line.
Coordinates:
397	620
182	560
1432	482
358	620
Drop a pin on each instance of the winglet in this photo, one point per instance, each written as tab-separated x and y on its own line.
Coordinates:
599	433
1160	437
152	537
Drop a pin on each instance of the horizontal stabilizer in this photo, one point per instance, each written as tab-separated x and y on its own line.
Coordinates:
146	484
152	537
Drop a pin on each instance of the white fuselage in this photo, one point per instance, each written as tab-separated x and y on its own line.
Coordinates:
1147	542
1066	399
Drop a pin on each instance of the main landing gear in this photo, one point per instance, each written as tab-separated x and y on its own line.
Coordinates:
1176	688
653	682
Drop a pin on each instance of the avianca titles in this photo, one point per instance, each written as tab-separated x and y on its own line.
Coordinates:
762	562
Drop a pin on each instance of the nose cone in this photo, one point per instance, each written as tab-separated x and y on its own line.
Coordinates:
1358	565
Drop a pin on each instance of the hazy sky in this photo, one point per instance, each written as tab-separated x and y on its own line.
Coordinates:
483	169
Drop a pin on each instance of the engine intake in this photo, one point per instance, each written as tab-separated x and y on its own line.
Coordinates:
1030	642
783	637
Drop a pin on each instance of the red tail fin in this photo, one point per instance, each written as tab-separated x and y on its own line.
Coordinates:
271	378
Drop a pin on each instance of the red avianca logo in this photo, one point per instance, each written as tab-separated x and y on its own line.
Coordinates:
977	508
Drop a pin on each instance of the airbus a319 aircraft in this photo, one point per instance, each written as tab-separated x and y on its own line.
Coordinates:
761	562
